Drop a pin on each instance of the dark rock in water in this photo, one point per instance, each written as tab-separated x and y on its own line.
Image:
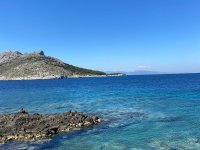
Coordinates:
169	119
133	114
24	126
22	111
173	148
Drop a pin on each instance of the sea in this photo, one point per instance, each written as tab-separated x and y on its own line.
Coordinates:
141	112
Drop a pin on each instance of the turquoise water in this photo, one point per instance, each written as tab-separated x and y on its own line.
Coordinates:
154	112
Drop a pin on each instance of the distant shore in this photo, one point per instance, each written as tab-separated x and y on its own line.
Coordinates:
60	77
38	66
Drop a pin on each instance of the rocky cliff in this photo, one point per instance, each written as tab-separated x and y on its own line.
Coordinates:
18	66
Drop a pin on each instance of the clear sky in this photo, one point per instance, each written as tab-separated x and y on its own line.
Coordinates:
108	35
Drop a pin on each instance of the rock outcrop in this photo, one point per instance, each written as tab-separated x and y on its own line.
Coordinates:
18	66
8	56
23	126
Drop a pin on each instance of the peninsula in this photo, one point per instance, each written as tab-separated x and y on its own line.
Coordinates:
36	65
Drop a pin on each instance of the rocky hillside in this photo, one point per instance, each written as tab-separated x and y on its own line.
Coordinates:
18	66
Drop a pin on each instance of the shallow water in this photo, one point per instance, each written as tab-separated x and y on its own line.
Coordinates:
154	112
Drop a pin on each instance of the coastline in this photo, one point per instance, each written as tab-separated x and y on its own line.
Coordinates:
59	77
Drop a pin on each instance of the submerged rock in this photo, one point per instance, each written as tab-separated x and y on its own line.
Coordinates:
24	126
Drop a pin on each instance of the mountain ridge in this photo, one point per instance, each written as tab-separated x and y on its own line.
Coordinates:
19	66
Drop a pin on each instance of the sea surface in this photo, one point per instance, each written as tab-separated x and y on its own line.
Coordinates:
149	112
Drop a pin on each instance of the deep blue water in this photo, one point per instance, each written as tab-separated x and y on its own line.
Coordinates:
151	112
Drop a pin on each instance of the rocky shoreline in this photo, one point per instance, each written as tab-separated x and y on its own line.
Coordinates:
58	77
23	126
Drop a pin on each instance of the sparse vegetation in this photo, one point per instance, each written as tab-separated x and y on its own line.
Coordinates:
39	65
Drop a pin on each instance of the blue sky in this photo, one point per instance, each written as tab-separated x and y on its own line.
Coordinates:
108	35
